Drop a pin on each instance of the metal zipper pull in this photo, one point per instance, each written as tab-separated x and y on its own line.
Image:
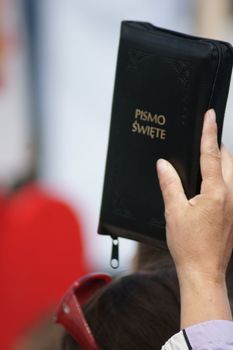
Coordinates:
115	253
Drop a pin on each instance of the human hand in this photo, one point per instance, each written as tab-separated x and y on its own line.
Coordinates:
200	230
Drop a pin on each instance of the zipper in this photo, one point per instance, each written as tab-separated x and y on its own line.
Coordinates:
217	70
212	88
114	262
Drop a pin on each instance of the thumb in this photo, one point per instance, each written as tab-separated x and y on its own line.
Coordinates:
170	184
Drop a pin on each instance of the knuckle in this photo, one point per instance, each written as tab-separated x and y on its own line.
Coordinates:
168	211
167	183
213	152
220	197
169	214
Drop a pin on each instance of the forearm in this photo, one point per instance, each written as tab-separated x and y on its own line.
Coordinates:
203	299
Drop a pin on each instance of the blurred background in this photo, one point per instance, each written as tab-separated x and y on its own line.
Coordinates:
57	69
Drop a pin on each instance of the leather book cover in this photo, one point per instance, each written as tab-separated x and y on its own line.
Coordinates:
165	81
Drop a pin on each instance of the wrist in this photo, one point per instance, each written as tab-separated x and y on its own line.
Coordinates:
203	297
199	277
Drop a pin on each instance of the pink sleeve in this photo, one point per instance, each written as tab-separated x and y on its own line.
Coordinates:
211	335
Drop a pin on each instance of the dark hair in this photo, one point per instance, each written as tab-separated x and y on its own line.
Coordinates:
138	311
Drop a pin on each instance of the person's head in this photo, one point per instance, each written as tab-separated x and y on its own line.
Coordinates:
138	311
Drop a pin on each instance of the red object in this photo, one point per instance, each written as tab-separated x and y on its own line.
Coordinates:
69	312
41	253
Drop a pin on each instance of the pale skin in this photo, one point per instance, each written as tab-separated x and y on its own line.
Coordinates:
200	230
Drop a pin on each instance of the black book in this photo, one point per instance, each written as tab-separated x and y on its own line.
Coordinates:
165	82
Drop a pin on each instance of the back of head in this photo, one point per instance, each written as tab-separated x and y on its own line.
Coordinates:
138	311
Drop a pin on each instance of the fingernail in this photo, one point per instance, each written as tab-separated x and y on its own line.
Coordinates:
161	165
211	115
